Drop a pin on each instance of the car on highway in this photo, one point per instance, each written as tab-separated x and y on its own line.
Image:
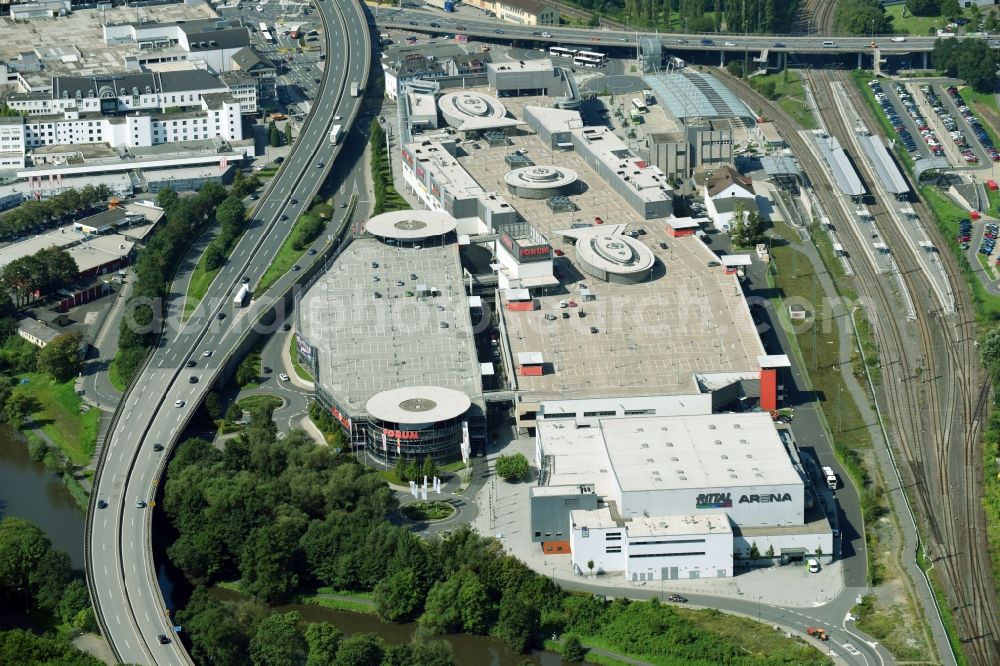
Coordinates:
192	379
207	353
498	32
283	217
179	403
220	316
245	280
312	251
157	447
682	41
707	42
267	370
162	638
293	201
283	377
343	205
713	264
101	504
536	34
320	165
546	34
460	27
254	196
729	44
435	25
677	599
296	267
139	504
191	363
338	117
777	45
413	22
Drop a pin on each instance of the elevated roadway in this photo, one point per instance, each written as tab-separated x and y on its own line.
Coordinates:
417	20
165	394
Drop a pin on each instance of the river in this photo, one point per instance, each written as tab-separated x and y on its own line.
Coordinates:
28	491
481	650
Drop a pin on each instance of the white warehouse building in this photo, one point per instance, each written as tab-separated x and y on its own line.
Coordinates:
682	495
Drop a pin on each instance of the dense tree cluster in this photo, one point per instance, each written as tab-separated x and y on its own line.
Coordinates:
34	576
771	16
862	17
232	218
971	60
186	217
946	8
21	646
43	272
35	216
284	516
61	358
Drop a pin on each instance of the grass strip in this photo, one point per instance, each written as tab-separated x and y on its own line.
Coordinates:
57	413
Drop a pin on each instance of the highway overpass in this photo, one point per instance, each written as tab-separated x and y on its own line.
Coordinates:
162	399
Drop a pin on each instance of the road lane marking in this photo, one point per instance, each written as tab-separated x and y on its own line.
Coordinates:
118	617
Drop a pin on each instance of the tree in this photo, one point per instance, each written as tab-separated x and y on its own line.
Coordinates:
518	623
217	636
61	358
590	566
75	598
215	256
770	551
231	216
278	641
990	350
213	405
274	136
360	650
862	17
233	413
18	407
429	468
22	547
288	133
323	640
754	552
167	198
398	596
923	7
512	468
573	650
949	8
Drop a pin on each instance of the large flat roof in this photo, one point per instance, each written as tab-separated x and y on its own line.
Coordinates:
368	345
652	337
647	453
836	159
888	173
691	94
714	450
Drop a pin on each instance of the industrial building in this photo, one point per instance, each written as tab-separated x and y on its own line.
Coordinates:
671	496
211	41
387	334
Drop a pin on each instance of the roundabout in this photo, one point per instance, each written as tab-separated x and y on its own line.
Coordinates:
427	512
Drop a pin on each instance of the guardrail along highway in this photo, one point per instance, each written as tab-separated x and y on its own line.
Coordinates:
162	398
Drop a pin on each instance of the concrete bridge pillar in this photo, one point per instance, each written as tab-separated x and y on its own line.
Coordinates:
927	63
859	59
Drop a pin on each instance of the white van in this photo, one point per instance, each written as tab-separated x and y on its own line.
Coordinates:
898	39
829	44
813	565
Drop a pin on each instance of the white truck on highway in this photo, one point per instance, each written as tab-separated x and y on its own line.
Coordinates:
335	134
355	89
242	296
831	478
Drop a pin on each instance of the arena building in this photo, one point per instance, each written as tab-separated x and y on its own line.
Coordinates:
700	487
387	334
609	255
470	111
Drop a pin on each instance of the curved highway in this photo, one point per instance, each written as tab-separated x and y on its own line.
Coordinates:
120	567
426	21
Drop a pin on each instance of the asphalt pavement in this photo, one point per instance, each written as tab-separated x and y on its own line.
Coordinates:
120	566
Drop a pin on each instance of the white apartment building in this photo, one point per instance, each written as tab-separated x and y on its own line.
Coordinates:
218	116
110	94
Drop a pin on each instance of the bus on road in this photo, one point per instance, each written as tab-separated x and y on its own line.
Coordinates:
638	105
560	52
592	56
587	61
242	296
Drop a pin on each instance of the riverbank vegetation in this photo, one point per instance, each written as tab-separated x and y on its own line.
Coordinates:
285	517
38	583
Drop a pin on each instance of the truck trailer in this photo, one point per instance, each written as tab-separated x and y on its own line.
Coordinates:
335	134
355	89
242	296
831	478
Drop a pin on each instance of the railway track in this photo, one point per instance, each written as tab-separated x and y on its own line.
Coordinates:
942	402
935	399
815	17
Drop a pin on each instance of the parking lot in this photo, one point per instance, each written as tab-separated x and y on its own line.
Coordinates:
911	126
978	137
